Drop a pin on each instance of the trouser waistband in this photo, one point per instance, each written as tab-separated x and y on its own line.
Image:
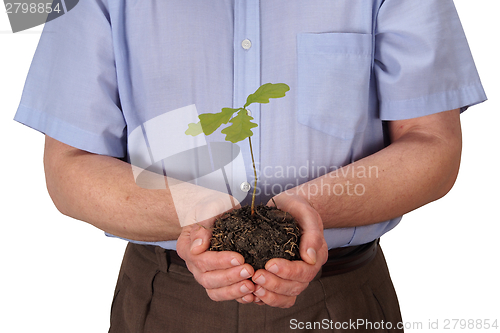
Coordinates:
340	260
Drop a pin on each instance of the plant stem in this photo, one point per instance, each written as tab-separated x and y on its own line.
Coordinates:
255	176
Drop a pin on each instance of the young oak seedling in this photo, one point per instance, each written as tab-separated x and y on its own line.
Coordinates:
241	123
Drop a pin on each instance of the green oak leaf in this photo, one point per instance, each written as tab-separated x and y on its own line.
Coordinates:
240	128
267	91
210	122
194	129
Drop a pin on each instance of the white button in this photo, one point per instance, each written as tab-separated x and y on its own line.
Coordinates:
249	113
245	186
246	44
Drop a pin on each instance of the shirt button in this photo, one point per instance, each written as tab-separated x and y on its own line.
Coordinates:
246	44
249	113
245	186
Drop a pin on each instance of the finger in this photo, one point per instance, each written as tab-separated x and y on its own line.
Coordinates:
296	270
232	292
273	299
247	299
258	301
214	260
223	278
277	285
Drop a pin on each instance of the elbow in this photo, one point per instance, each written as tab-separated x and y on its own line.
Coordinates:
56	196
450	168
54	190
447	183
55	179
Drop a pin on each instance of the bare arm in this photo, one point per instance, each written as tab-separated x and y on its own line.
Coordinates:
102	191
419	166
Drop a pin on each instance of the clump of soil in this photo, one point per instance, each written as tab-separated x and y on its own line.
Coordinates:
269	233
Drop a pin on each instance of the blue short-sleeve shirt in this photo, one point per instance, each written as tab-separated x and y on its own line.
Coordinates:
110	74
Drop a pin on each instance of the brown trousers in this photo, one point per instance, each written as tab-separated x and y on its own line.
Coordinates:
154	296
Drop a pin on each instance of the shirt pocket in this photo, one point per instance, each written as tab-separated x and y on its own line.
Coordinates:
334	82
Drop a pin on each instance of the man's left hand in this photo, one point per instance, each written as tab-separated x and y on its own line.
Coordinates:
282	280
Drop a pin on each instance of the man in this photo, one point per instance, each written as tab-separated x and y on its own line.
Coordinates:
370	130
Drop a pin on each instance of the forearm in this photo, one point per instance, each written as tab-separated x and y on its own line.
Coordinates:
101	190
417	168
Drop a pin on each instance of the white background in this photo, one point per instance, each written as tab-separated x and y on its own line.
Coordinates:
58	274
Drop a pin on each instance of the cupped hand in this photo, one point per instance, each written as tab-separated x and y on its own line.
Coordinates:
282	280
224	275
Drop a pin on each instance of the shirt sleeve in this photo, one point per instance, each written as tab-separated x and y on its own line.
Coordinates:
71	91
422	60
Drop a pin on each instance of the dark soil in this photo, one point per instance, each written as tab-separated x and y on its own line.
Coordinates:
269	233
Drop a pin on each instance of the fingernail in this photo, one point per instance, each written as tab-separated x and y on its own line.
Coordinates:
244	299
197	242
244	273
260	292
244	289
260	280
273	269
235	262
312	254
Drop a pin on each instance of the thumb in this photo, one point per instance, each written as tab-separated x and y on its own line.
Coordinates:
311	256
193	240
312	240
310	246
200	238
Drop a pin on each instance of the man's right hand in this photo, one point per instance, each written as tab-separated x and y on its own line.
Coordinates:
223	274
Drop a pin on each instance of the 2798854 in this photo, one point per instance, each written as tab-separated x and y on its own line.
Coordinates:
31	7
471	324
